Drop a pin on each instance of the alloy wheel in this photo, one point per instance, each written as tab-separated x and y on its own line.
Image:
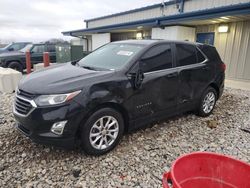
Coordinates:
208	102
104	132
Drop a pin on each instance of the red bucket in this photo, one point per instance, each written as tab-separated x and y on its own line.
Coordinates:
207	170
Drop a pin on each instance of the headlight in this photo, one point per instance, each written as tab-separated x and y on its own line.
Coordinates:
45	100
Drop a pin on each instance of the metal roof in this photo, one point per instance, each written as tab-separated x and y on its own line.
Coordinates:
239	9
136	10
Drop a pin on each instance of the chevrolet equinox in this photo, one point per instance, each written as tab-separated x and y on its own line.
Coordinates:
119	87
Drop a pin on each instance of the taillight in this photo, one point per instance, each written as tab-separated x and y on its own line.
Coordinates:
223	66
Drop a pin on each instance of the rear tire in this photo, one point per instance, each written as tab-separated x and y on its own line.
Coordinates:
16	66
102	131
207	102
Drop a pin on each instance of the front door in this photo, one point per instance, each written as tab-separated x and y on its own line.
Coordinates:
158	92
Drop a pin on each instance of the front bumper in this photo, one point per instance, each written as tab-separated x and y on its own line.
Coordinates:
37	124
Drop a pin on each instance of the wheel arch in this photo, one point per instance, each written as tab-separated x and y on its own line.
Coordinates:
112	105
10	61
214	85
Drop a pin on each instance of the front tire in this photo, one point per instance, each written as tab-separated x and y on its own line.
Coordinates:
102	131
207	102
16	66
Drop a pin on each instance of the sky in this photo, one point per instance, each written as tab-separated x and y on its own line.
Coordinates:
40	20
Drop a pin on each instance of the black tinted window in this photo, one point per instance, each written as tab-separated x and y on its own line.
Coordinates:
211	53
157	58
186	54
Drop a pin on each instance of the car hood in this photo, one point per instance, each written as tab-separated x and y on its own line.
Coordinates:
61	79
10	54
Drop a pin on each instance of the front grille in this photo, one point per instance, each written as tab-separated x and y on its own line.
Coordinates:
22	106
25	94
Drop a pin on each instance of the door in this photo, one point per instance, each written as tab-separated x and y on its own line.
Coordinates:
195	73
51	48
37	53
205	38
158	92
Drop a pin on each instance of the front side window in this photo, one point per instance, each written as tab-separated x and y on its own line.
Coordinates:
26	48
157	58
186	54
112	56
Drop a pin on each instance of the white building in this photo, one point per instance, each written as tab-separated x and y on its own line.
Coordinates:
223	23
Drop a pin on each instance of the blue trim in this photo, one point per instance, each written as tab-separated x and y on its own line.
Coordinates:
135	10
239	9
243	8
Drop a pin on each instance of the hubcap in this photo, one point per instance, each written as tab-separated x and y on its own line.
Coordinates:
104	132
208	102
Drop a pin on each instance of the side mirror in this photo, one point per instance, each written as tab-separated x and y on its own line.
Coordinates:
136	75
11	49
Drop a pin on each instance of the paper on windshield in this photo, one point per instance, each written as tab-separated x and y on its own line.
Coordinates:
126	53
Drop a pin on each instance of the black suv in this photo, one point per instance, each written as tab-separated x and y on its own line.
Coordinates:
120	87
17	60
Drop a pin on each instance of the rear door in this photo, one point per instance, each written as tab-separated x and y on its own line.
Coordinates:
158	92
37	53
195	74
52	52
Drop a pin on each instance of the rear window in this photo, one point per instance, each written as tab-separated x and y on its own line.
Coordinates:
211	53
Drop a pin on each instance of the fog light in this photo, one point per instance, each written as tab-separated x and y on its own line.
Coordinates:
58	127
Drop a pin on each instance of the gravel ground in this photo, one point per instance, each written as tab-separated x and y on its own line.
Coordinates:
139	160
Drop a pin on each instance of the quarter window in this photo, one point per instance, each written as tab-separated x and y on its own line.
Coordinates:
200	56
157	58
186	54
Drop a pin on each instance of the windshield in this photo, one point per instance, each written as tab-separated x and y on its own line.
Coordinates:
6	47
111	56
26	48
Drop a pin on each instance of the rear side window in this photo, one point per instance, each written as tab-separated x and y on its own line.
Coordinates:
211	53
39	49
157	58
186	54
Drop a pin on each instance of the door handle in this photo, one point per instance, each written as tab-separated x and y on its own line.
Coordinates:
171	75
